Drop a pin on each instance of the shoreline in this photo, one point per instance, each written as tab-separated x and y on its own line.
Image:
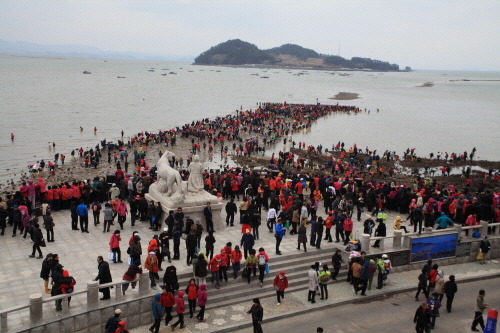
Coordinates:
73	169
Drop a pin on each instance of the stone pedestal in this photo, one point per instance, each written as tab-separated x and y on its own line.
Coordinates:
484	228
397	238
365	242
458	228
36	308
428	230
192	204
144	282
92	294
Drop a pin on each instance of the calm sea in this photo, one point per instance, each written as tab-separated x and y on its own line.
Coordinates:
47	99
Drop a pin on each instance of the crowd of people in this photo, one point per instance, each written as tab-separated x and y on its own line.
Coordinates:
290	198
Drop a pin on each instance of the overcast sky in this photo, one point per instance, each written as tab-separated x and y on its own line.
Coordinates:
455	34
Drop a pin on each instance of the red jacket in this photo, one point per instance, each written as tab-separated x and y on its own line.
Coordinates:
114	241
214	264
167	300
236	256
282	283
179	303
192	291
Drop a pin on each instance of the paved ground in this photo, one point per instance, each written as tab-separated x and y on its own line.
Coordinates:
78	252
350	314
394	313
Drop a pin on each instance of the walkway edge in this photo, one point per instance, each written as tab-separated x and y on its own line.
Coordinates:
356	300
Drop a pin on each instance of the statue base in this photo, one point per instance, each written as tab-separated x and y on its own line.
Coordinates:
192	204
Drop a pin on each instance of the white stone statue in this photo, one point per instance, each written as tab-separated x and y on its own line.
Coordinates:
195	180
167	176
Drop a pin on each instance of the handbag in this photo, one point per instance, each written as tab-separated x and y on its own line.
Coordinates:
277	288
111	256
384	276
42	243
130	261
480	256
267	268
244	273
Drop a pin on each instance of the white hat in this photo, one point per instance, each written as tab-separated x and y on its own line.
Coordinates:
114	184
165	229
385	256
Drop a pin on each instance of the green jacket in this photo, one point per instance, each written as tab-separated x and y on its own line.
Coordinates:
323	273
380	266
252	260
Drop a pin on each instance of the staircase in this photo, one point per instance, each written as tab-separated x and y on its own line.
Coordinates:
239	290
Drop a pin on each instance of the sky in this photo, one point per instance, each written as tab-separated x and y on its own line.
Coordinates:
423	34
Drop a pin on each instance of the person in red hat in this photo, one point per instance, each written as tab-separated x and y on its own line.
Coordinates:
280	283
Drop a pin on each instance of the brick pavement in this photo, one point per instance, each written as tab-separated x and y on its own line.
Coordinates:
78	252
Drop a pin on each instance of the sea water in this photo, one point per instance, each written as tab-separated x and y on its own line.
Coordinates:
47	99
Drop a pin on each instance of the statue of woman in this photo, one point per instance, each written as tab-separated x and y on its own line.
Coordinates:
195	180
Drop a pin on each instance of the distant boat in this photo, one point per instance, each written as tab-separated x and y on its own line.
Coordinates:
190	71
165	69
163	74
172	73
264	77
86	72
255	74
151	70
180	68
121	77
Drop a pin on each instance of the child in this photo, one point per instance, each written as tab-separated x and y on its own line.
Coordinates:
192	293
179	308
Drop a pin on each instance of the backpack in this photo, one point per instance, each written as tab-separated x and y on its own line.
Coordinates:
325	277
388	265
94	208
262	260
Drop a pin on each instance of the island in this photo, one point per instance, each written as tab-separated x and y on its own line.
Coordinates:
236	52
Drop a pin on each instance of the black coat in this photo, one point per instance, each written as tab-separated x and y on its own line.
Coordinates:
381	230
201	268
170	277
319	227
231	208
422	319
257	312
59	280
207	212
104	275
191	242
247	241
45	271
302	235
37	236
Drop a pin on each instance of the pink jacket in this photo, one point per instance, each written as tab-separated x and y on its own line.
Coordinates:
31	188
348	224
114	241
122	209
